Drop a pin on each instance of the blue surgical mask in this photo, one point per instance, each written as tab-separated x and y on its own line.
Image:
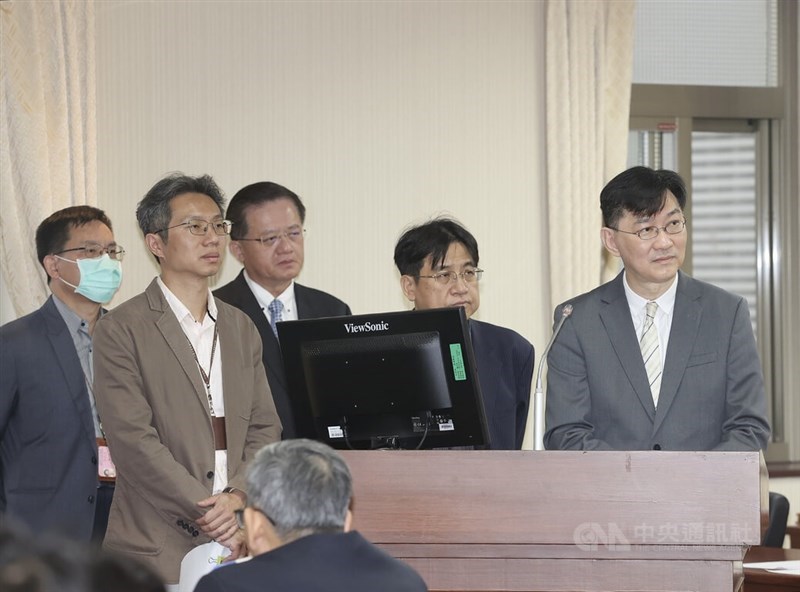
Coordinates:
100	277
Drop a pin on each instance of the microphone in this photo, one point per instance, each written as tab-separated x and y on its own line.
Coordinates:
538	395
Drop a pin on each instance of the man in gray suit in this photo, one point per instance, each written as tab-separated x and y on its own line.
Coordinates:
181	389
654	359
49	427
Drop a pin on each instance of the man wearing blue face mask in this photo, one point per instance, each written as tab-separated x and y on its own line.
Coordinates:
55	471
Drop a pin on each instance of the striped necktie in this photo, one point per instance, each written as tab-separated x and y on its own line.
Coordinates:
651	352
275	309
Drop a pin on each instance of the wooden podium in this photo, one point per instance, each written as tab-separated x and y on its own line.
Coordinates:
558	521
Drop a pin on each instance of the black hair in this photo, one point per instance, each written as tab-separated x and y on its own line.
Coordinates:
257	194
642	191
431	239
54	231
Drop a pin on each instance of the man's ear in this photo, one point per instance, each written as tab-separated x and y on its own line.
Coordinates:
348	521
51	266
155	244
236	250
261	535
609	238
409	286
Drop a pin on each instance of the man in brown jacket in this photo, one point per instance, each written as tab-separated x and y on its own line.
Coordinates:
180	388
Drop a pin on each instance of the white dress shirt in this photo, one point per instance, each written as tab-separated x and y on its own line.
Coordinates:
663	320
201	336
264	298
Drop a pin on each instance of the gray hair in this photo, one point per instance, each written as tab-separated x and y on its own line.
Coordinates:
302	486
154	212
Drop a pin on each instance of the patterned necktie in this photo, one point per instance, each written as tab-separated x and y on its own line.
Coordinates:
651	352
275	309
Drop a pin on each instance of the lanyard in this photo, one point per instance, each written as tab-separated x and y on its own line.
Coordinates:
207	376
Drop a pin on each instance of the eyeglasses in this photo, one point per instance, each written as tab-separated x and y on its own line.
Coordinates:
95	250
200	227
239	515
270	240
444	278
650	232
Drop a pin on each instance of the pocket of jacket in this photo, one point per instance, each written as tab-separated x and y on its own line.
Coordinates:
700	359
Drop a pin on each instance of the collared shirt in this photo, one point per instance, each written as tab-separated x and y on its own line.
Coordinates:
201	335
663	320
264	299
79	331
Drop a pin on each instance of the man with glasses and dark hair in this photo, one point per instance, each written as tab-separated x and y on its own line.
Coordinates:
438	263
297	524
654	359
181	389
268	240
49	427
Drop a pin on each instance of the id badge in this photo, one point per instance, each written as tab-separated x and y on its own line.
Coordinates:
106	471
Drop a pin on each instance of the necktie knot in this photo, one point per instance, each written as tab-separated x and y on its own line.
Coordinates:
275	309
651	308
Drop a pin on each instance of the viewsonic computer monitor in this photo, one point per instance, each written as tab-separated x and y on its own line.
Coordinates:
387	380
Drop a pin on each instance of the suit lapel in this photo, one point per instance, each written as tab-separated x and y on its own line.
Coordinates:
683	333
272	351
171	330
231	350
616	318
305	304
74	378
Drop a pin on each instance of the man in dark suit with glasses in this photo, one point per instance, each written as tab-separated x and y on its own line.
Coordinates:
268	239
51	436
438	263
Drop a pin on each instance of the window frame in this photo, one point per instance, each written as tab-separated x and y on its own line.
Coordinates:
774	112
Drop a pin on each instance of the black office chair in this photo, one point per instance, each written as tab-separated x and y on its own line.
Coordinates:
778	517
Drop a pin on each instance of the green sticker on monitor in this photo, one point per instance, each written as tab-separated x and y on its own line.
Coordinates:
458	361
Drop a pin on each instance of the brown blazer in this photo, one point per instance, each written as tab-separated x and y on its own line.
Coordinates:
154	410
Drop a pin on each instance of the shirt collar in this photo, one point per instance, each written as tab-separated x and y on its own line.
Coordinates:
180	309
74	323
264	297
666	302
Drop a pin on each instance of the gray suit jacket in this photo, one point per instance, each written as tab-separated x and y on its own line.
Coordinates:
712	390
48	451
154	409
311	304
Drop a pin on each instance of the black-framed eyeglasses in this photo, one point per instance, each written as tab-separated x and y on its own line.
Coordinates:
651	232
239	514
444	278
295	235
200	227
95	250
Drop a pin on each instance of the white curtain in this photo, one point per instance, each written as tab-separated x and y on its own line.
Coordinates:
589	67
588	64
48	155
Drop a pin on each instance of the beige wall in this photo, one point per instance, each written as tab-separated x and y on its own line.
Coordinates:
379	114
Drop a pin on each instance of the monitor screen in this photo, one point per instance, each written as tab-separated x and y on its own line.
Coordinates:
385	380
